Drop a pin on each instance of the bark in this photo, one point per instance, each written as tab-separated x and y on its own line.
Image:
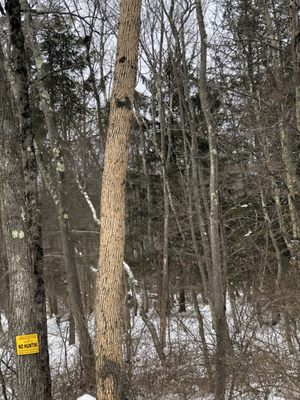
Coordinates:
162	151
156	340
52	301
74	290
21	220
150	246
4	266
182	306
289	162
273	238
215	242
58	192
291	179
71	329
205	348
295	38
164	293
108	313
3	385
194	181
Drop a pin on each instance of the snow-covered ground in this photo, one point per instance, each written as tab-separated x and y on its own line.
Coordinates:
262	364
62	355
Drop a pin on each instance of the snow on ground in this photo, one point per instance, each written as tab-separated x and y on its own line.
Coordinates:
62	355
183	341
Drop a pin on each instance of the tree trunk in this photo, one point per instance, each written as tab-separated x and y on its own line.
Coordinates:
164	292
74	290
205	348
58	192
214	220
21	223
294	8
108	313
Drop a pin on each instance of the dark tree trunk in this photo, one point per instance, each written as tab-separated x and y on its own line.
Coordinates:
182	307
21	222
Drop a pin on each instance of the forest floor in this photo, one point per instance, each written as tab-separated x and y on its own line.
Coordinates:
260	366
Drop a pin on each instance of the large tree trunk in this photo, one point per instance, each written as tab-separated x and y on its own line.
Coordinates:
21	221
109	363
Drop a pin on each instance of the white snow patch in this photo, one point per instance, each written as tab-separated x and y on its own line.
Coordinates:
86	397
62	355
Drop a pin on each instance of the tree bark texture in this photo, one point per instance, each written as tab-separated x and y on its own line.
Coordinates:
58	191
109	363
21	221
214	220
295	38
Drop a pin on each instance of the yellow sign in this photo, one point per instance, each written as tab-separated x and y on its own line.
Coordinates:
27	344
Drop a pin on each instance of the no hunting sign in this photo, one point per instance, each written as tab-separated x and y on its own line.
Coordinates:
27	344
